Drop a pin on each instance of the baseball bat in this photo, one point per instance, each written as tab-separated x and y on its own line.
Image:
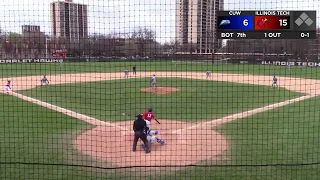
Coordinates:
157	121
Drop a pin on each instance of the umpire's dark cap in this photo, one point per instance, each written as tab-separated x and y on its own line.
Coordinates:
139	116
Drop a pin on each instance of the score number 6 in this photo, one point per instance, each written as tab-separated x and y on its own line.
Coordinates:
245	22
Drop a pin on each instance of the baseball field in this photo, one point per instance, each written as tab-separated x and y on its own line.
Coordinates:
230	126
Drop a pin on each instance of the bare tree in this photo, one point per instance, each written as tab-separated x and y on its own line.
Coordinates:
105	45
142	38
170	47
15	40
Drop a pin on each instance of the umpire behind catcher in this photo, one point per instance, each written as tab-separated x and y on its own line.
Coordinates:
140	132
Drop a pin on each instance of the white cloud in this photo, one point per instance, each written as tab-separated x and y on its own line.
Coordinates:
107	16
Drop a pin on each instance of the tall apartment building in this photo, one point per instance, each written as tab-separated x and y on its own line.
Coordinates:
196	23
69	20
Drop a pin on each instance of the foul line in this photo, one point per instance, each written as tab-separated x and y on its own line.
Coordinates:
212	123
206	124
245	114
70	113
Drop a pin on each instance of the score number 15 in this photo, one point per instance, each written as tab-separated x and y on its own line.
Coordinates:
283	22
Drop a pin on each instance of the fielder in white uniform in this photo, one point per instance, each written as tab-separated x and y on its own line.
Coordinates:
126	73
44	81
275	82
153	81
289	66
208	74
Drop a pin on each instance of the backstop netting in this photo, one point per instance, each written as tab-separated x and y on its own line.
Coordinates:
82	80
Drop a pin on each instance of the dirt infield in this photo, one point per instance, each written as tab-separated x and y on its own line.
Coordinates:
186	143
160	90
112	145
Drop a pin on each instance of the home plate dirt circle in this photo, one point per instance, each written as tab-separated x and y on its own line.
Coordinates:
112	145
160	90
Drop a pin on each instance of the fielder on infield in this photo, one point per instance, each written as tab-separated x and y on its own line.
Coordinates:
126	73
153	81
7	88
275	82
44	81
208	74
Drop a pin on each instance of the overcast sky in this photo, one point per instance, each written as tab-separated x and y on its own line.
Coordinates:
107	16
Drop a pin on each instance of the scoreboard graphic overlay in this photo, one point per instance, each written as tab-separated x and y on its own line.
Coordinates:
266	25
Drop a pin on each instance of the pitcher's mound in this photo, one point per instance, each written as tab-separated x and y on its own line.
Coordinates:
160	90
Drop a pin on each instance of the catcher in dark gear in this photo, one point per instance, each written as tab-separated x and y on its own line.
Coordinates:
140	132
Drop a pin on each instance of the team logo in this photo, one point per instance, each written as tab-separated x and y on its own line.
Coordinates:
262	22
224	22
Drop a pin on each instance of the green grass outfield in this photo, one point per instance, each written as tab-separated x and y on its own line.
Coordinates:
34	139
285	141
197	99
32	143
12	70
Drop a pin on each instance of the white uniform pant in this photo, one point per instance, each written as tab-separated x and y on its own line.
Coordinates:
6	89
148	123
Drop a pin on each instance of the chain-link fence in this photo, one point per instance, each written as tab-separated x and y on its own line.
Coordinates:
84	80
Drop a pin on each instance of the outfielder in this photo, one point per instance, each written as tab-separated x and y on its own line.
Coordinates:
152	139
208	74
44	81
7	87
153	81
